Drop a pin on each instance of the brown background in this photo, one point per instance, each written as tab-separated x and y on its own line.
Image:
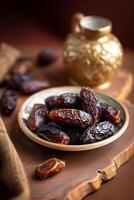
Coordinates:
55	16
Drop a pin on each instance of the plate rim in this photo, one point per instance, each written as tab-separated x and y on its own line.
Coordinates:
58	146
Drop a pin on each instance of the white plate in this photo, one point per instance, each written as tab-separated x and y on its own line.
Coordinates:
41	96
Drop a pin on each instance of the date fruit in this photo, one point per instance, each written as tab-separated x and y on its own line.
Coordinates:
24	58
75	119
47	56
22	66
8	102
71	117
37	117
89	103
49	168
51	102
15	81
97	132
110	113
33	86
54	124
53	134
69	100
74	135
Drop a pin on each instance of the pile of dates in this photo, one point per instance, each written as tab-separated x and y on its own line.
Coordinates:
20	78
73	118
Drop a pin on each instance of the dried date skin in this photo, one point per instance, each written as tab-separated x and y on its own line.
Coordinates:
33	86
8	102
53	134
69	100
24	58
110	113
51	102
15	81
22	66
54	124
89	103
71	117
97	132
37	117
49	168
74	135
47	56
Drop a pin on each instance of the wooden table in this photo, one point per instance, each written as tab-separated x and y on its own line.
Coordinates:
121	187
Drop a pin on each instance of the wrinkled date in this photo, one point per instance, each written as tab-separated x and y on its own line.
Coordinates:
8	102
47	56
24	58
74	135
51	102
97	132
110	113
33	86
15	81
89	103
69	100
54	124
53	134
49	168
72	117
73	132
37	117
22	66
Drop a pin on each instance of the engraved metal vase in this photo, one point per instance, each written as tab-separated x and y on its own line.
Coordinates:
92	54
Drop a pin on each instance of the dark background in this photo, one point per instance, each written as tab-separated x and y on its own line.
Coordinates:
27	21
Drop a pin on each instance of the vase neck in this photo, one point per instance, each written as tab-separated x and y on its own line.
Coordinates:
94	26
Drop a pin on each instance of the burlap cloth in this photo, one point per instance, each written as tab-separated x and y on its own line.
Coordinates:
13	180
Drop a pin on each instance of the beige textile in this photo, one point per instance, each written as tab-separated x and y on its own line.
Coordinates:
12	173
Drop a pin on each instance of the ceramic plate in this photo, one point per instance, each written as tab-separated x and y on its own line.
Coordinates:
41	96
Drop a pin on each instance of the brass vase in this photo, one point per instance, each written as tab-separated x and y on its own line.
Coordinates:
92	54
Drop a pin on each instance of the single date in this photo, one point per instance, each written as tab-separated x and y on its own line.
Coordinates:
8	102
89	103
110	113
48	168
53	134
97	132
37	117
71	117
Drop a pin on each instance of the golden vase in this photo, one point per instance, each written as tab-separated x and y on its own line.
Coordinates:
92	54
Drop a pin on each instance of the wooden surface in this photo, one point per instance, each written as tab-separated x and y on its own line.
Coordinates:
32	154
84	172
120	87
79	176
